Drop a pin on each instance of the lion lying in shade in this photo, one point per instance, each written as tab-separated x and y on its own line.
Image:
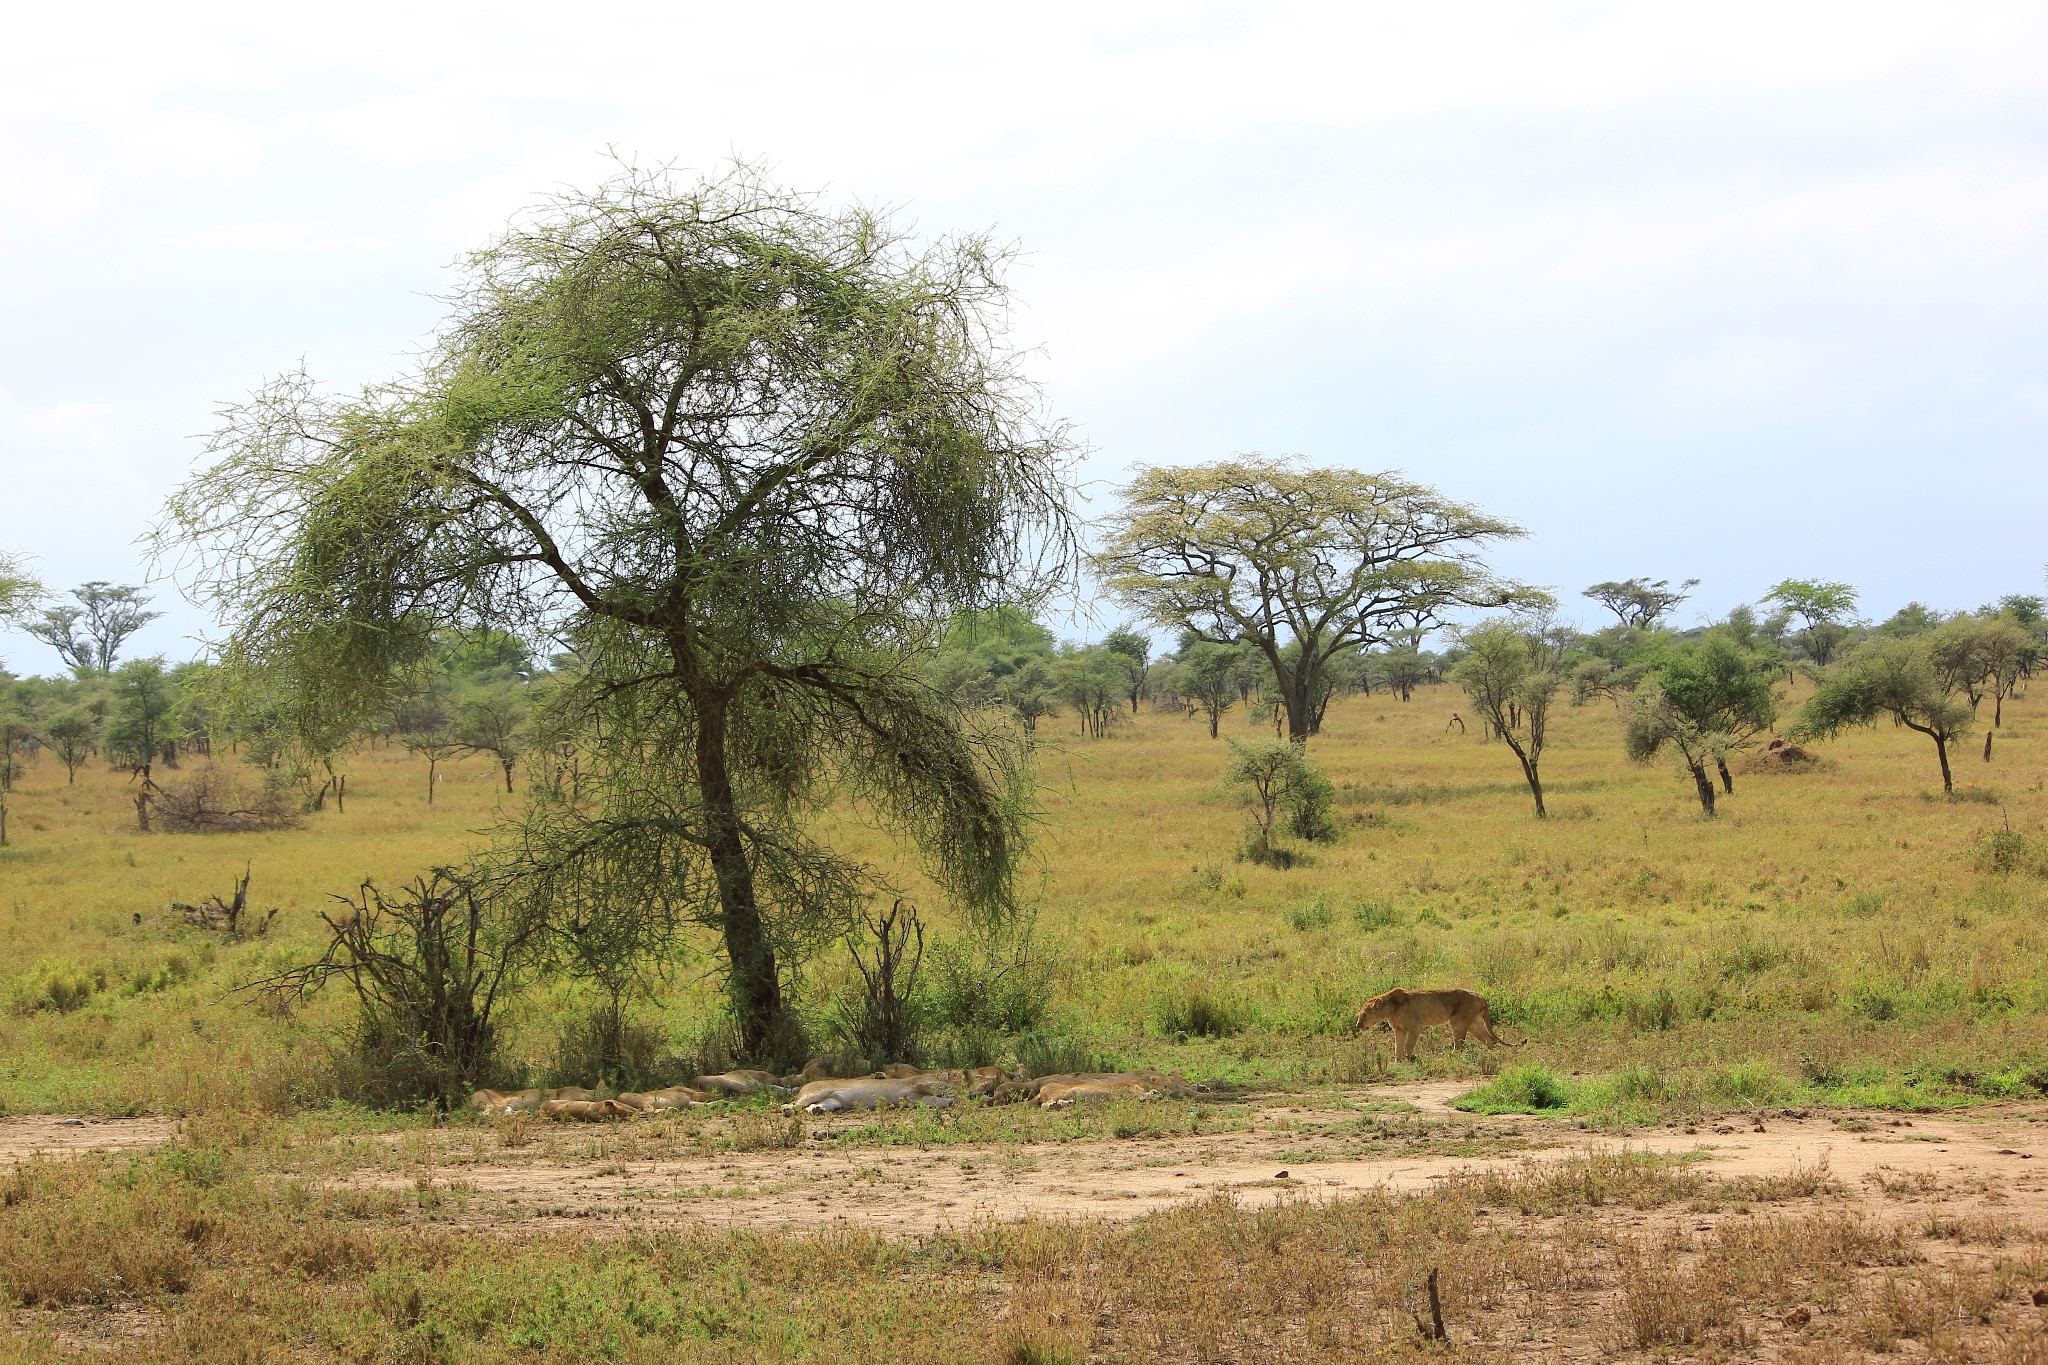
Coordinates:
1408	1013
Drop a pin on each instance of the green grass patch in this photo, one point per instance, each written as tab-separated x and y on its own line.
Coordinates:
1526	1089
1641	1094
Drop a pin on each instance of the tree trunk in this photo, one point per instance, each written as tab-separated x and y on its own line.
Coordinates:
1214	716
1997	711
1529	772
1987	746
1294	701
1705	786
432	764
1727	778
507	763
1948	781
756	984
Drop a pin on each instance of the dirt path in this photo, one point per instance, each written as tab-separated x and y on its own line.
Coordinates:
1986	1158
25	1135
1992	1160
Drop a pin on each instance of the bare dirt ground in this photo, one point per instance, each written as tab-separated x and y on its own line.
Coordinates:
1961	1185
1989	1161
26	1135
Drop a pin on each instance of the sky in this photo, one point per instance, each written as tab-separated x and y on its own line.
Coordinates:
1732	292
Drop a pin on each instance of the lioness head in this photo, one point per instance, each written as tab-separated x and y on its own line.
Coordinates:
1382	1009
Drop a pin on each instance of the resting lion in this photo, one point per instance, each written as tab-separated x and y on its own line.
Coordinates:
1065	1094
589	1111
975	1082
674	1097
1408	1013
868	1092
737	1083
523	1101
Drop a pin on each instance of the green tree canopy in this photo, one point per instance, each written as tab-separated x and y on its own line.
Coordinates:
1702	699
140	724
1206	675
1639	601
1092	680
19	590
72	735
744	456
1919	681
1509	670
1132	650
1273	553
89	636
1826	608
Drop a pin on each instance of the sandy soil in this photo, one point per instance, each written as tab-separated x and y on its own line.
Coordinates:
25	1135
1996	1158
1991	1158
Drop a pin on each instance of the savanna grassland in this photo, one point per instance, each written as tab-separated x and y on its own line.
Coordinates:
1840	941
1840	928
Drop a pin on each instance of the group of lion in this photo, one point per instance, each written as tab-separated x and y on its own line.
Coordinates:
815	1091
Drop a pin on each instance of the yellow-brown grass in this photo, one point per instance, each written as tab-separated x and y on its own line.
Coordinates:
1829	925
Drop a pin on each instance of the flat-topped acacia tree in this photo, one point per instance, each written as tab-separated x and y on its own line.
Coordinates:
1301	564
742	455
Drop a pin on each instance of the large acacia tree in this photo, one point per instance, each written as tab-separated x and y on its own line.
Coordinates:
741	455
1273	553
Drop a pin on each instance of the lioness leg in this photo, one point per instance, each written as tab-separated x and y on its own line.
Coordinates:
1404	1043
1482	1029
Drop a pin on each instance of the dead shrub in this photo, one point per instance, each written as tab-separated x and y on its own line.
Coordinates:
207	802
1664	1303
429	966
227	917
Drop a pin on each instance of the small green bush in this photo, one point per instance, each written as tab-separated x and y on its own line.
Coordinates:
1869	1002
1642	1084
625	1054
999	984
2003	852
1375	915
1197	1014
1254	845
1313	913
1526	1089
1311	807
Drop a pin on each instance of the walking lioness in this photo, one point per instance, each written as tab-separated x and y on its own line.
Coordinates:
1408	1013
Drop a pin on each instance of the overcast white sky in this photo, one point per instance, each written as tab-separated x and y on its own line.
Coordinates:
1733	292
